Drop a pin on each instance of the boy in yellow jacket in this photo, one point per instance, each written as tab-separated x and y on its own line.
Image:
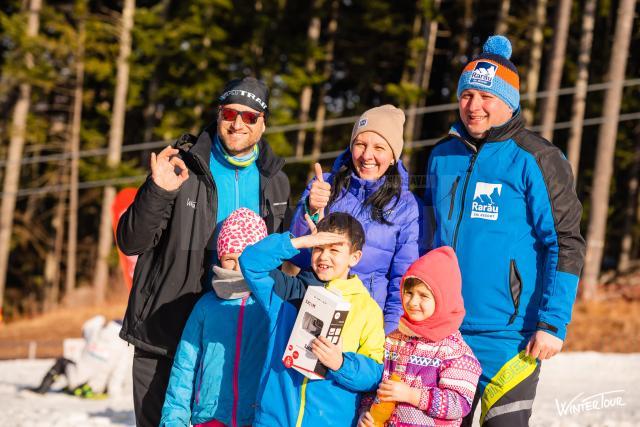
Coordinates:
287	398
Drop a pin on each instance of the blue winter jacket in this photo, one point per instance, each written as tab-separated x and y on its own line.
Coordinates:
388	250
508	207
286	398
217	365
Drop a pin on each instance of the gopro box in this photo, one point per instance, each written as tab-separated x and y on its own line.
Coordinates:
322	312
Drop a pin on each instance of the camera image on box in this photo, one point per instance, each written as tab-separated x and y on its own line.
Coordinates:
322	312
312	324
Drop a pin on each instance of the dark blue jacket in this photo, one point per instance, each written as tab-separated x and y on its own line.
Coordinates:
508	207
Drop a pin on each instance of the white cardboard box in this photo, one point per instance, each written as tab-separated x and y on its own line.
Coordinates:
322	312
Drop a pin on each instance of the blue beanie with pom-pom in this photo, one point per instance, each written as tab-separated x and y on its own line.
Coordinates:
492	72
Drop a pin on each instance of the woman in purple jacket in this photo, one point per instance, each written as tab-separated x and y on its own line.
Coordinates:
370	182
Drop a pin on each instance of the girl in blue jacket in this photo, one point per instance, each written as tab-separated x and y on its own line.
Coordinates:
370	182
225	331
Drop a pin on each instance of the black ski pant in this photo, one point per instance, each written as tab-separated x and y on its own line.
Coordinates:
150	379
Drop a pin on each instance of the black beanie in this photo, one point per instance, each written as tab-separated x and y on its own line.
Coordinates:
246	91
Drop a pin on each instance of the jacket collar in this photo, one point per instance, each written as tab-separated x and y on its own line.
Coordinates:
229	284
269	164
351	286
308	276
496	134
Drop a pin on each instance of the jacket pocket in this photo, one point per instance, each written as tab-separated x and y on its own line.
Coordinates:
147	293
452	195
515	288
275	214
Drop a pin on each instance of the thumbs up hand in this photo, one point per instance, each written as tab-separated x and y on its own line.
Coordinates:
319	192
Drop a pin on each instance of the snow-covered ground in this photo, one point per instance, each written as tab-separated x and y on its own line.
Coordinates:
576	389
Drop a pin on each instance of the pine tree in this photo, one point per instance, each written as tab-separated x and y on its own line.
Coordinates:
18	137
556	65
74	148
502	23
535	59
313	35
596	235
321	110
628	234
115	146
413	127
580	96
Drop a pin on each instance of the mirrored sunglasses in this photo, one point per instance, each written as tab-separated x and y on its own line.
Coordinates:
248	117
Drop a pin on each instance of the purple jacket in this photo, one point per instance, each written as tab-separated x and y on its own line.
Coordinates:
389	249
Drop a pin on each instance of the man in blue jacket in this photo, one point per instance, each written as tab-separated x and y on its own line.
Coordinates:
504	199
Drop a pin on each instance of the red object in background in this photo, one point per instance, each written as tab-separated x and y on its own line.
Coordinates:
122	201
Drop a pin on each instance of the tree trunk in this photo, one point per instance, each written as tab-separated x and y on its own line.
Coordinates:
411	63
580	96
630	211
14	155
414	128
76	123
502	24
53	260
556	65
464	34
411	73
115	151
321	111
313	35
533	75
152	113
636	250
256	47
606	149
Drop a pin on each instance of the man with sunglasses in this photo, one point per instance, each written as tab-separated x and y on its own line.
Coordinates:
172	225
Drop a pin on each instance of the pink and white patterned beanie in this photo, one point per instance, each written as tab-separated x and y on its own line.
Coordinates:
242	228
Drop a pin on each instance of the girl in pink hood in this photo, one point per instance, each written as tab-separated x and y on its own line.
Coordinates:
438	371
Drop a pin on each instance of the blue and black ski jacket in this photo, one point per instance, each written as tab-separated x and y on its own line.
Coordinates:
507	205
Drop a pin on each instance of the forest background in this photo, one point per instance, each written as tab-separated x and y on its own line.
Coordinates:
88	89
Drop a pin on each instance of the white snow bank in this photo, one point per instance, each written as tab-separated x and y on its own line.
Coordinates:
20	407
576	389
588	389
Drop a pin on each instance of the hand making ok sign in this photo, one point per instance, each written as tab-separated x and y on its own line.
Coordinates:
168	171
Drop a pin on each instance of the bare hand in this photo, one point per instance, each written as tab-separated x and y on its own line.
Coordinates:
397	391
319	193
543	345
290	268
365	420
168	171
318	239
313	228
329	354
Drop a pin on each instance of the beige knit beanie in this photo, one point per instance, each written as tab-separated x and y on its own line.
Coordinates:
387	121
